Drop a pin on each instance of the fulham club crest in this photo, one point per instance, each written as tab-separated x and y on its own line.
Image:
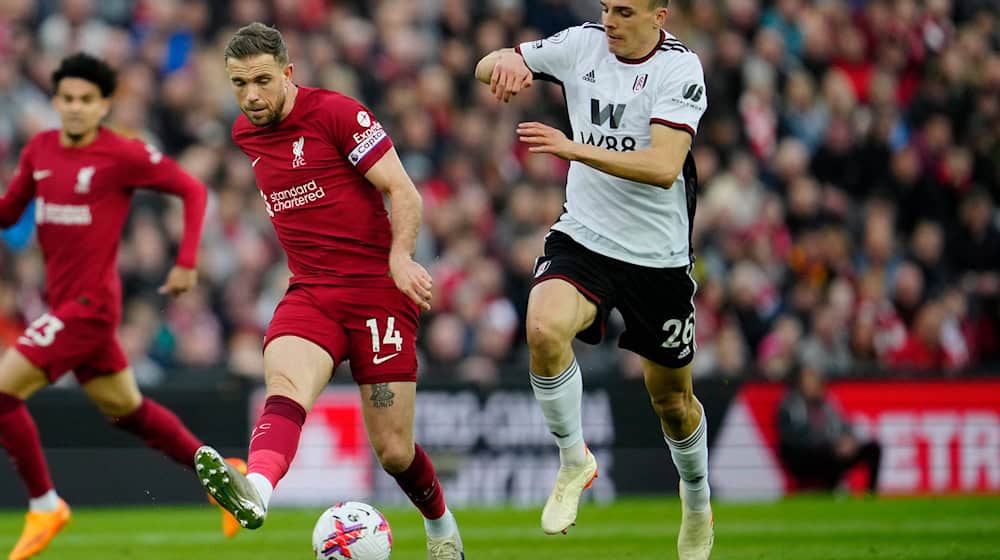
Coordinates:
639	83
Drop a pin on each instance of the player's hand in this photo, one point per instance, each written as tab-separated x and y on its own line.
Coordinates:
412	279
510	76
544	139
179	280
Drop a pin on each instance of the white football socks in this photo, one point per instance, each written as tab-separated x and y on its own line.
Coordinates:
560	398
442	526
48	501
690	455
263	486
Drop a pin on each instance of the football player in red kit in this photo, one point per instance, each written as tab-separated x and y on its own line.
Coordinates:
322	163
82	177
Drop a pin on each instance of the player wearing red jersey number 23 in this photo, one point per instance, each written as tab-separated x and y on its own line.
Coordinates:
323	163
82	177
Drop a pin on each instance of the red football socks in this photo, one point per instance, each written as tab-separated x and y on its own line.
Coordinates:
275	438
421	485
161	429
19	436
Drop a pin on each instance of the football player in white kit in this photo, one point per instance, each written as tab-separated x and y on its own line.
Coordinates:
635	95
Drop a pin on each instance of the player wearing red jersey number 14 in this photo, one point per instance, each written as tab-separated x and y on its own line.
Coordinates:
323	162
82	178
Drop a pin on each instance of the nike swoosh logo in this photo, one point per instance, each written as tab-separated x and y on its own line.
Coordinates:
260	430
254	162
379	359
41	174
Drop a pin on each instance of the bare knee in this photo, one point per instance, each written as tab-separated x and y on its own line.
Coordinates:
18	377
547	337
674	408
395	455
280	383
117	405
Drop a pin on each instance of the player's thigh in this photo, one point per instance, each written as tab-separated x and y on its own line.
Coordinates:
296	368
557	308
19	377
572	293
52	345
388	410
302	347
115	395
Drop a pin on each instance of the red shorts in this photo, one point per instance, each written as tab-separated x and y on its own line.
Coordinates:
70	338
374	328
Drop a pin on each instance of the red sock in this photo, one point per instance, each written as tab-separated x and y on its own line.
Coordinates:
420	483
275	438
161	429
19	436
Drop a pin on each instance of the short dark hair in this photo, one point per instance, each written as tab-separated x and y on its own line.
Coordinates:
89	68
255	39
658	3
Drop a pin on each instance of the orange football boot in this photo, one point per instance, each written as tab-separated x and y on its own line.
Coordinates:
39	529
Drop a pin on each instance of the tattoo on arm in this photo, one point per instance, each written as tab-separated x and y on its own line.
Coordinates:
382	395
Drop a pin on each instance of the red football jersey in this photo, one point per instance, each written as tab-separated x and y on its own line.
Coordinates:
310	169
83	197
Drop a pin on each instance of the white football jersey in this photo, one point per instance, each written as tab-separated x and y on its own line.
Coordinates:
612	103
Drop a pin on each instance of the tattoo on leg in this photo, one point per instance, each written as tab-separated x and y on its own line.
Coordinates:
382	395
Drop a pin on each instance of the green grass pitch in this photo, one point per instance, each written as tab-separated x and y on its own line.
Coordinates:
807	528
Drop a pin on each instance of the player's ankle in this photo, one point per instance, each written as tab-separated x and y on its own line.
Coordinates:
574	455
47	502
442	526
263	486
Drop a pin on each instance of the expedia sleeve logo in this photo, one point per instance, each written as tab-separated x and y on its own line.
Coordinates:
366	142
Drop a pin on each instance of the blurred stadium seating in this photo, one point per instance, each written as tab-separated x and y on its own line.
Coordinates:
849	163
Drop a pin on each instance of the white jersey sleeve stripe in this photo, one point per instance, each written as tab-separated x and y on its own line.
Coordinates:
674	125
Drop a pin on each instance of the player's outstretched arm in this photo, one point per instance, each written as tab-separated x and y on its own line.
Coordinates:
505	72
406	208
659	165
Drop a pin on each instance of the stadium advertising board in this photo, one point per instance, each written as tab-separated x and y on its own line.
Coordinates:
937	437
490	446
488	449
493	448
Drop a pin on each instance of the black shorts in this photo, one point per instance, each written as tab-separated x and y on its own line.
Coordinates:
656	303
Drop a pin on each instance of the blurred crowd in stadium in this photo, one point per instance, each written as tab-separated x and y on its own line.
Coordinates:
849	169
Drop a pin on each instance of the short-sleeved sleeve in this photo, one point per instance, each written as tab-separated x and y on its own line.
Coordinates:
681	99
554	57
358	135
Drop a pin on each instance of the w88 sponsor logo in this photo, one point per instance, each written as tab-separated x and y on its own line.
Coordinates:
616	143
